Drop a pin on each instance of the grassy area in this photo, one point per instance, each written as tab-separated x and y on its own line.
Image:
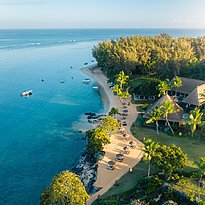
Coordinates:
190	187
129	180
126	183
192	146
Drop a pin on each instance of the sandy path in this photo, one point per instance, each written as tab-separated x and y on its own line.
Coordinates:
106	178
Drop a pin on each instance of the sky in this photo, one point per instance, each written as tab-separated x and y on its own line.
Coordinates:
102	14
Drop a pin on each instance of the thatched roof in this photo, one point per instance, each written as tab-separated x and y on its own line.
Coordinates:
174	117
188	85
195	98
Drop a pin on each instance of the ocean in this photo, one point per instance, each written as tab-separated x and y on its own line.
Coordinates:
37	133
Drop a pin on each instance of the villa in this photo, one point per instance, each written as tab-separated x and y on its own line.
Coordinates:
174	117
190	91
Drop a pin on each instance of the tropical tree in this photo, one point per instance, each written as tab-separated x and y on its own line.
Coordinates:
119	88
169	158
65	188
96	139
116	89
166	109
195	119
160	55
150	150
201	165
109	124
155	116
122	79
124	95
114	111
177	82
164	87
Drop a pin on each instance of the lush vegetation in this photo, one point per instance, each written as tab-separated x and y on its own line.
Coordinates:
137	186
65	188
162	56
98	137
121	81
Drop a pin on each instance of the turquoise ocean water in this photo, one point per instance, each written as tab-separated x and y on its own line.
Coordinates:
36	133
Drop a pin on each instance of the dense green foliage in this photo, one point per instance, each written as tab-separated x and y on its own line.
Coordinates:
166	158
149	150
201	165
195	118
155	116
121	81
110	124
96	139
166	85
114	111
148	87
65	189
169	158
160	55
166	109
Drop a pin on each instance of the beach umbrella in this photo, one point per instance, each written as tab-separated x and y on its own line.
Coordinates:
111	163
119	156
126	148
131	142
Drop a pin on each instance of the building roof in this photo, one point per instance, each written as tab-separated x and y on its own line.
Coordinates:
195	98
188	85
174	117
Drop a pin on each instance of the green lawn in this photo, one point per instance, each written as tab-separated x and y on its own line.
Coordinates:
192	146
129	180
190	187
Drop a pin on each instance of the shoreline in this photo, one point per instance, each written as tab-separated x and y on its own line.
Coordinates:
105	178
95	73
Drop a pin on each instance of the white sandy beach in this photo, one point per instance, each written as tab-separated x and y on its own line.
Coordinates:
106	178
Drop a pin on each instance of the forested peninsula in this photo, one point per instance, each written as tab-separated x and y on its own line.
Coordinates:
160	56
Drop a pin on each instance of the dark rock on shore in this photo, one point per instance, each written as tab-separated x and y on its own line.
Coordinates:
87	170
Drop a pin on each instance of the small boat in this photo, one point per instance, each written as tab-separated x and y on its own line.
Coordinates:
95	87
85	63
26	93
87	80
62	81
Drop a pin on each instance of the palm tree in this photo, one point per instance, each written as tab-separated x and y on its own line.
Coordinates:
114	111
117	90
164	87
201	165
122	79
166	109
155	117
195	119
149	149
176	83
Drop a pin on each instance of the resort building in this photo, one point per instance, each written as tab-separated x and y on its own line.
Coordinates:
174	117
190	91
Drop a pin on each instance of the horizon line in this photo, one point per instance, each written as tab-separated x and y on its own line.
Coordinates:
64	28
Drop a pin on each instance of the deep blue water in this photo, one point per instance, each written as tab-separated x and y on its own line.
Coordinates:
36	133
